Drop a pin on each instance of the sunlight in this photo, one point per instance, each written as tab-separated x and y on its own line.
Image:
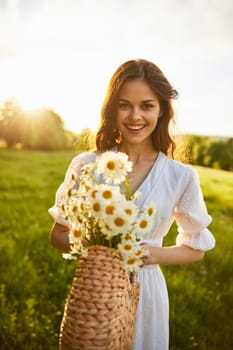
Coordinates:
28	101
47	78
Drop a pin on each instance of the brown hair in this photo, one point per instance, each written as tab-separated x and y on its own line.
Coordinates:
108	134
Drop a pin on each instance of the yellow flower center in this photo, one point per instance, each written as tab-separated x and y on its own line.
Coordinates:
131	261
96	206
109	210
77	233
128	211
150	211
93	193
143	224
119	222
127	247
69	192
75	209
107	194
139	253
110	165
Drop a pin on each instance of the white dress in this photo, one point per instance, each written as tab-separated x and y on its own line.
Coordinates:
175	189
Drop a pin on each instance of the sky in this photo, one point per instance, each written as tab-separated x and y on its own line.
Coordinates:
60	54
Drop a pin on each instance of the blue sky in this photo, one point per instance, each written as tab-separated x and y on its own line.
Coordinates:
61	54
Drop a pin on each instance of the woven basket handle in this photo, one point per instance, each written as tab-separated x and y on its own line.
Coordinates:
133	278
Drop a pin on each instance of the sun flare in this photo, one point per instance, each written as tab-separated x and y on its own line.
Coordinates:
46	79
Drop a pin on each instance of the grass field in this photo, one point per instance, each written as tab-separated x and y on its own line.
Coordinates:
35	279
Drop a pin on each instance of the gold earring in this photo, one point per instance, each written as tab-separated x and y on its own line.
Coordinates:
118	138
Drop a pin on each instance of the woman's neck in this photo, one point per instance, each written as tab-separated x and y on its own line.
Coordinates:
138	153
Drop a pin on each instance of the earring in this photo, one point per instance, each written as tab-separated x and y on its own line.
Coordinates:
118	138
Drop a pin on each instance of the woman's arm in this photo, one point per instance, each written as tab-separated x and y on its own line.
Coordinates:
60	238
171	255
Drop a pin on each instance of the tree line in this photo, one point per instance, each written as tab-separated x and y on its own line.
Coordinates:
43	129
213	152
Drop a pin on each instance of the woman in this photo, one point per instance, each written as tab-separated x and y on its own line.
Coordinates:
135	119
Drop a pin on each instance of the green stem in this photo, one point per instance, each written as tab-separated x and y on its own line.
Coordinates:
127	188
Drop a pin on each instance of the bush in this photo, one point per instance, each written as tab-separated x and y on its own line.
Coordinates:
209	151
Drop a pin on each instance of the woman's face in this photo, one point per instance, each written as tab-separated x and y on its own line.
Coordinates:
138	112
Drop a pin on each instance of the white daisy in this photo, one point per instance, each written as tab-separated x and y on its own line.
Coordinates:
113	166
73	207
150	209
143	224
107	193
106	229
132	264
127	248
109	209
140	251
75	234
130	210
94	202
69	256
119	222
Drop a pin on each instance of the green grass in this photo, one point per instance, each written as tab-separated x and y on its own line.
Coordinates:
35	279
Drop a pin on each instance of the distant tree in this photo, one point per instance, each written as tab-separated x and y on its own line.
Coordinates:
1	129
42	129
71	139
221	155
10	118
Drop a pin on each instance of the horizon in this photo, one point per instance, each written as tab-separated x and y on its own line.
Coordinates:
175	133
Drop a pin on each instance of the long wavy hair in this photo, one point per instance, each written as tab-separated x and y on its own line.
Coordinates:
108	134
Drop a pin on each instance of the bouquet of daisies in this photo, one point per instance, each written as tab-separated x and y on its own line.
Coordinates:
102	211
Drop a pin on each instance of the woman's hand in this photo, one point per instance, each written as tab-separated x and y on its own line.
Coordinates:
60	237
171	255
150	258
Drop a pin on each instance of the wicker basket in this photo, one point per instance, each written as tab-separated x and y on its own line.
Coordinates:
100	309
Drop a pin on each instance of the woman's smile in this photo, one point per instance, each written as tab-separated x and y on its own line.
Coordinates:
135	128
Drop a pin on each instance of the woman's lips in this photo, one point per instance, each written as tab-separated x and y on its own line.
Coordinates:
135	128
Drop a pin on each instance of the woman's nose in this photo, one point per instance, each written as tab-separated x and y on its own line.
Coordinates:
136	112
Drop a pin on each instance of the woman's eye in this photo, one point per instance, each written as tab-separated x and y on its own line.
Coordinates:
123	105
147	106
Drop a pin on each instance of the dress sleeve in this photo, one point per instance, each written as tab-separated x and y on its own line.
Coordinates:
192	217
61	194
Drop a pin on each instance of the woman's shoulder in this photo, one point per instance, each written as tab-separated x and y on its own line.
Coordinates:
79	161
179	169
84	158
